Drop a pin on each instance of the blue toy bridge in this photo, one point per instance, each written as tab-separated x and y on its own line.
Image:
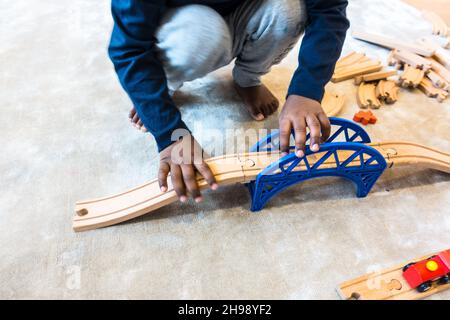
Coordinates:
363	164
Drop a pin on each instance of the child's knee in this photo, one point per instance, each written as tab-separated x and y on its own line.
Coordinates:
194	39
287	18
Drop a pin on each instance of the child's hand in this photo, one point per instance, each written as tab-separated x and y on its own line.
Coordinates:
183	159
298	113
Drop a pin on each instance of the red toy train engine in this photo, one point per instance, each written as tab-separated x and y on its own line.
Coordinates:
422	274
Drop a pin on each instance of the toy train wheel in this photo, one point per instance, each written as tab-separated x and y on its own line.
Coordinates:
445	279
424	286
407	266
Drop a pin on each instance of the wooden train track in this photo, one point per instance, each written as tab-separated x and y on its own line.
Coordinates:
387	284
387	91
228	169
367	96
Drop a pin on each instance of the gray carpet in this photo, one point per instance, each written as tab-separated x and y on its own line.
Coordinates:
65	137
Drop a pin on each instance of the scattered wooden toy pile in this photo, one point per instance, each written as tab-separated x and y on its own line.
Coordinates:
332	103
374	86
424	65
427	74
354	64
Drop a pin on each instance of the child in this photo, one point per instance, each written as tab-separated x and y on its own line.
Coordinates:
157	45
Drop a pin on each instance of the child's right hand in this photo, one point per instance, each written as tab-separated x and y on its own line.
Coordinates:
183	159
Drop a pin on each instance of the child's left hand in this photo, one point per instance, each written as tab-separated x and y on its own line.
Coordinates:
299	113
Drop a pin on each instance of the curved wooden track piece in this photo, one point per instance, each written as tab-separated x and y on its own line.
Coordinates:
333	103
387	284
229	169
411	77
366	96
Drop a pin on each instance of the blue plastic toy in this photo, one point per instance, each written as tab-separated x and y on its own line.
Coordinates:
291	169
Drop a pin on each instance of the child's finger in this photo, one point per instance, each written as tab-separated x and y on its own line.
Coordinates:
190	181
285	134
206	173
177	182
300	136
314	129
162	176
325	126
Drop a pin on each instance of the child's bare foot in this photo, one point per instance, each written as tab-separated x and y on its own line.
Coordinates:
260	102
134	118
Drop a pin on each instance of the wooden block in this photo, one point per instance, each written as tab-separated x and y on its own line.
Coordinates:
391	43
384	74
365	117
387	284
431	91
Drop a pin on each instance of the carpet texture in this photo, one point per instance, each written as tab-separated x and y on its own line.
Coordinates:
65	137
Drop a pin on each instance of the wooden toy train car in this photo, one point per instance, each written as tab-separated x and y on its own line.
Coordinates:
422	274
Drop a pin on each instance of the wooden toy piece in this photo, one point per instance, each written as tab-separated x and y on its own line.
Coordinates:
387	91
349	72
383	74
350	59
391	43
366	96
365	117
427	87
332	103
411	77
440	54
439	69
411	59
421	274
229	169
439	26
438	81
387	284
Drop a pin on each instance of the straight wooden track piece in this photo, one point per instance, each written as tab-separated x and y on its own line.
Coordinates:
411	77
439	26
412	59
391	43
229	169
350	60
387	91
332	103
366	96
387	284
383	74
366	67
427	87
